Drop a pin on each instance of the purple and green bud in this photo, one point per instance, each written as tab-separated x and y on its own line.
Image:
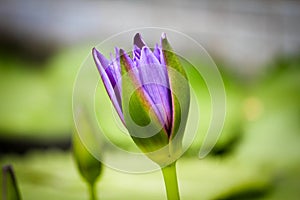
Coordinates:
150	92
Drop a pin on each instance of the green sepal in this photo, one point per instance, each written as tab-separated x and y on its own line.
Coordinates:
180	92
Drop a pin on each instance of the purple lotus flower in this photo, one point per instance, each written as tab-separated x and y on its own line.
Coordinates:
146	98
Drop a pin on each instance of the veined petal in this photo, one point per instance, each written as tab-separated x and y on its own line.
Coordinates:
140	119
154	78
157	52
116	72
136	52
129	66
108	79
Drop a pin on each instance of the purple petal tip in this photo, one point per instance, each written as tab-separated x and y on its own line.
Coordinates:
138	41
122	52
94	51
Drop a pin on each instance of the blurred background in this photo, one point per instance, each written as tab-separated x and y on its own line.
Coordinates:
255	44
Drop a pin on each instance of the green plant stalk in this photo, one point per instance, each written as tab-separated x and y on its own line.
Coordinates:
92	191
170	178
10	189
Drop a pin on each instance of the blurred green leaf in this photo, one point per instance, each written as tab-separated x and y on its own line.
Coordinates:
36	100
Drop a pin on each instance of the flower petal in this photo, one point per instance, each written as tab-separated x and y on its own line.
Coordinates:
157	52
142	123
138	41
116	74
136	52
155	81
109	81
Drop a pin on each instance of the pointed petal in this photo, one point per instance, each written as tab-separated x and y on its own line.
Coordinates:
136	52
128	65
138	41
116	72
108	80
180	109
155	81
157	52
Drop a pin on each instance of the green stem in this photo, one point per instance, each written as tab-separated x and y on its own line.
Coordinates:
92	191
170	178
